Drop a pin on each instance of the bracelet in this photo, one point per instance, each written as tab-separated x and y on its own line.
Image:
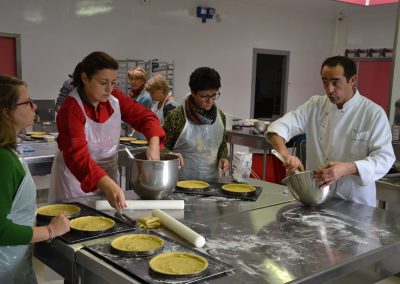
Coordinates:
50	233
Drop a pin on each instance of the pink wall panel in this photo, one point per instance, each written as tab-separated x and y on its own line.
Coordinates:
8	56
374	80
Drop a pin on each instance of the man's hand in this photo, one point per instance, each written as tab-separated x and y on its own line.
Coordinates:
334	171
293	163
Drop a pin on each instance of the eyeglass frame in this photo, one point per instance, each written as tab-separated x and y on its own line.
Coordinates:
30	101
207	98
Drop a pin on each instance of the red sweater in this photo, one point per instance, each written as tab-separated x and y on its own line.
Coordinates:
72	139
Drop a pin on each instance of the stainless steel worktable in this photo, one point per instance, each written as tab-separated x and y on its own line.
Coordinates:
246	137
272	240
61	256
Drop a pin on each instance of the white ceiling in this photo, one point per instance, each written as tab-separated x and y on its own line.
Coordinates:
329	8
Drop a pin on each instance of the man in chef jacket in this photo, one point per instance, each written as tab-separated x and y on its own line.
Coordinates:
349	141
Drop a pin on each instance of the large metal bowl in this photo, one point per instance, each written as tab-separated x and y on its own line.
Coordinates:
153	179
307	190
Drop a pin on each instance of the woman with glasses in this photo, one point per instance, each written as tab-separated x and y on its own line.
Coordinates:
89	126
163	100
196	130
18	192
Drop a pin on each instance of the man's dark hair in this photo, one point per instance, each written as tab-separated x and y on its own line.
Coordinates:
204	78
348	65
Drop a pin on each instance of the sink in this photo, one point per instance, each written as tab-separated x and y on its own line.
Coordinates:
388	189
393	179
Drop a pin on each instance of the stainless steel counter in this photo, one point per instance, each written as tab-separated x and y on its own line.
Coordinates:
272	240
41	159
246	137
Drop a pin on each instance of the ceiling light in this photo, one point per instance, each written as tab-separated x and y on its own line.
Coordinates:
368	2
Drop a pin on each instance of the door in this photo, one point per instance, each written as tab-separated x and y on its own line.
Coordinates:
10	59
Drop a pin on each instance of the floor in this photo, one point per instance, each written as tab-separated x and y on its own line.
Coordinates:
46	275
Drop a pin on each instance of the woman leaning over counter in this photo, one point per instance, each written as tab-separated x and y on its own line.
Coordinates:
89	126
18	192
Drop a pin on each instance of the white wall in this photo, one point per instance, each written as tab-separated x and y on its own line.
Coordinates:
54	40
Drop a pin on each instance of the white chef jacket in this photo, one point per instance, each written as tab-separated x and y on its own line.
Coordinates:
359	132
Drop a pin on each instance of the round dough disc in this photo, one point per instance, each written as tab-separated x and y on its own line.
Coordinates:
139	142
127	139
55	209
92	223
238	188
196	184
178	263
137	243
36	133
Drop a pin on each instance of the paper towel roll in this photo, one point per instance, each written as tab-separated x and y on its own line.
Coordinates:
179	228
144	204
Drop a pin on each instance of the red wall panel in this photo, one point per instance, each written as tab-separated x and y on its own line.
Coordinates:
374	80
8	56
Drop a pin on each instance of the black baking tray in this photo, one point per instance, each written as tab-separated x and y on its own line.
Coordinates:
215	189
138	267
128	143
74	237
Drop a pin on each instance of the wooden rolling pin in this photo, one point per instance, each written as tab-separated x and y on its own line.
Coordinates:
179	228
144	204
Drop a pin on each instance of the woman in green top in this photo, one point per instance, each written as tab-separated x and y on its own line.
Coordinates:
18	192
196	130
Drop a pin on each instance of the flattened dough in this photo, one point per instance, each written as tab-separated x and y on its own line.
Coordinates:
196	184
55	209
126	139
36	133
238	187
137	243
92	223
139	142
178	263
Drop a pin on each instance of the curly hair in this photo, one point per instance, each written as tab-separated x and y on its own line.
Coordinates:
204	78
157	82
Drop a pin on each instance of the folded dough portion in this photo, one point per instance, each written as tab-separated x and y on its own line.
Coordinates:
149	222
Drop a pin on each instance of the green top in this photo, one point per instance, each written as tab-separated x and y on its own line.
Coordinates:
173	126
11	175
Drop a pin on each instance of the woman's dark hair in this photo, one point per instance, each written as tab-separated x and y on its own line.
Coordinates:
9	95
204	78
348	65
91	64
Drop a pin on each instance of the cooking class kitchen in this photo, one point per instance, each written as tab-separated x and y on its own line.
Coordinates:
176	141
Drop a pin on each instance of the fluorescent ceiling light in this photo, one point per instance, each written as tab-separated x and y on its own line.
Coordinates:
368	2
94	7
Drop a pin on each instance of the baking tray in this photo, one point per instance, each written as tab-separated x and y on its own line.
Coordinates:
215	189
74	237
128	143
138	267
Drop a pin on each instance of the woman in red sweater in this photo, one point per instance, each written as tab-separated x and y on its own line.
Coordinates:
18	192
89	127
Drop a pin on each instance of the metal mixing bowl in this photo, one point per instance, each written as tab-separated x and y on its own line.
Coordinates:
307	190
153	179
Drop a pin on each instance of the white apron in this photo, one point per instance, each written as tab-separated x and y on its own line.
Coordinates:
199	145
159	112
16	261
102	142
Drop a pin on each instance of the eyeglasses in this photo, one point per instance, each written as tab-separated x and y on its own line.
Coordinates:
25	103
207	98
